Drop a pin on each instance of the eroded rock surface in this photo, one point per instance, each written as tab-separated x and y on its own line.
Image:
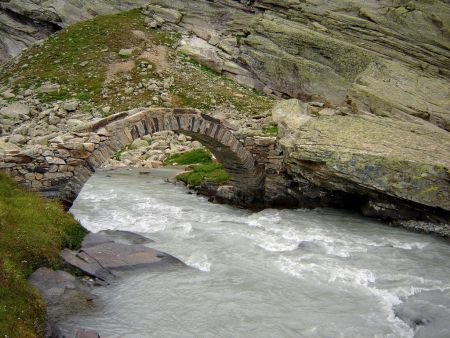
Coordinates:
387	57
372	156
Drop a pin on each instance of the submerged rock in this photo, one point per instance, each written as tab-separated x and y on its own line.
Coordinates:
118	236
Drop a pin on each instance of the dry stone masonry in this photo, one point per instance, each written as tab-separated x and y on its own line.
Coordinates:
60	169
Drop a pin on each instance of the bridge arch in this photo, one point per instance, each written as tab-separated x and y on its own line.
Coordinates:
122	129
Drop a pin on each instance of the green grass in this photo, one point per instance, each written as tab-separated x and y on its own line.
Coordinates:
213	172
196	156
32	232
271	130
78	58
96	42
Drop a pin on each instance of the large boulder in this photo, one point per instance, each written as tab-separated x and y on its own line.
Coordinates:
373	156
202	52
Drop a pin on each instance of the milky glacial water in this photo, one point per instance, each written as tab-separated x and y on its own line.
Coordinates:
270	273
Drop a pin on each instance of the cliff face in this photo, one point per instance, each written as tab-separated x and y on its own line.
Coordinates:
23	22
390	58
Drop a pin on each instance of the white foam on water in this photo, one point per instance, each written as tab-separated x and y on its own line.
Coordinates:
332	273
199	261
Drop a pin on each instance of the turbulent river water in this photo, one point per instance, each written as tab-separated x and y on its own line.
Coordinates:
270	273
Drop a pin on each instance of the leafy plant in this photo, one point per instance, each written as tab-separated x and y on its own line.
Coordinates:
118	155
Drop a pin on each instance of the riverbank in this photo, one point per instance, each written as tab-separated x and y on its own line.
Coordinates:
32	233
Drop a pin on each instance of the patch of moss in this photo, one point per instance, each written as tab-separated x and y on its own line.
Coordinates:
196	156
32	232
213	172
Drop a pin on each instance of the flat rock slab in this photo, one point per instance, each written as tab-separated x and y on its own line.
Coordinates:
87	265
117	256
63	293
118	236
101	261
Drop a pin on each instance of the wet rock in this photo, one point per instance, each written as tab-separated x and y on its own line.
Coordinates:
116	256
117	236
387	211
52	330
63	293
87	265
93	239
101	258
86	333
440	229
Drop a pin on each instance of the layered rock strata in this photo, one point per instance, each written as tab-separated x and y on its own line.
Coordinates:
390	58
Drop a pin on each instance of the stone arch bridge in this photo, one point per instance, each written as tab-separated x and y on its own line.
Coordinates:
60	169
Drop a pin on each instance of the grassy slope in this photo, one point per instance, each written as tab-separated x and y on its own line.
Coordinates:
32	232
61	59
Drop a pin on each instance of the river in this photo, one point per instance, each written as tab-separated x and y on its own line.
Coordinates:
269	273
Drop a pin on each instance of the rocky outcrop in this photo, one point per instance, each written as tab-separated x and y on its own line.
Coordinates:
390	58
379	158
22	23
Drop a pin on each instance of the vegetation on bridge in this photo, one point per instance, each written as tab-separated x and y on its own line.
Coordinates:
32	232
202	168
